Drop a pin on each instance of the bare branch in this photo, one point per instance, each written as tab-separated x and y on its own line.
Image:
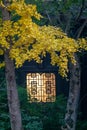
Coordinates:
68	24
81	28
81	10
48	16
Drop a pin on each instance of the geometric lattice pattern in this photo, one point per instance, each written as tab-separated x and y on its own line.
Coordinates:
41	87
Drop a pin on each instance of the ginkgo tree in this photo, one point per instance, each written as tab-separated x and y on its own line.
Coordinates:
22	39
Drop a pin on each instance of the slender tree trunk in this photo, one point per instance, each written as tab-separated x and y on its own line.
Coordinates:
13	101
73	99
74	91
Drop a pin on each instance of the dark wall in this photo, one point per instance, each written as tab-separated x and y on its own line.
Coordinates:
61	84
83	97
45	67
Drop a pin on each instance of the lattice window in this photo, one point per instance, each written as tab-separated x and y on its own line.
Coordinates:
41	87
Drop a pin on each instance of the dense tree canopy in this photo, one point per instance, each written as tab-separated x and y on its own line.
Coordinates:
26	40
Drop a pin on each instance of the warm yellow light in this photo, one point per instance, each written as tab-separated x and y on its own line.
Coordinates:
41	87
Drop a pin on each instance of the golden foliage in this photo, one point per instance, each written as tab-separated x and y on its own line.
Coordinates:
26	40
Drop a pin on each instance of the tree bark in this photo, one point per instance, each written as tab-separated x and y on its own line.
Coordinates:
13	100
12	94
73	99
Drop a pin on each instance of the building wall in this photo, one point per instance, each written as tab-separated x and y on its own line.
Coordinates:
61	84
45	67
83	93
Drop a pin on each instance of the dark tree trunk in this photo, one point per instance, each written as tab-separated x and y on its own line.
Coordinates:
73	99
13	101
12	94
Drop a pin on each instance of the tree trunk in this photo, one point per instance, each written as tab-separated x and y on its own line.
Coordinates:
13	101
73	99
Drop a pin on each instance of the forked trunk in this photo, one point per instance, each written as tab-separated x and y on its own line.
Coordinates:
73	99
12	94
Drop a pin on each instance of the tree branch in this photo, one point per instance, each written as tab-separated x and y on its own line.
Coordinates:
81	10
48	16
81	28
68	24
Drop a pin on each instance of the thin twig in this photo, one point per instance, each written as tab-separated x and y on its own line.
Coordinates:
81	10
81	28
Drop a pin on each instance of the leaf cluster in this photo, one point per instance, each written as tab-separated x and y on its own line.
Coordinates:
26	40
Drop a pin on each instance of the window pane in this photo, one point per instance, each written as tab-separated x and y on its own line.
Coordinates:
41	87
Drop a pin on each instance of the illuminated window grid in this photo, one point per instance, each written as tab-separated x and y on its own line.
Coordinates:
41	87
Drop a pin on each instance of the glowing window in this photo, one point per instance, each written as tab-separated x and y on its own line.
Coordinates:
41	87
